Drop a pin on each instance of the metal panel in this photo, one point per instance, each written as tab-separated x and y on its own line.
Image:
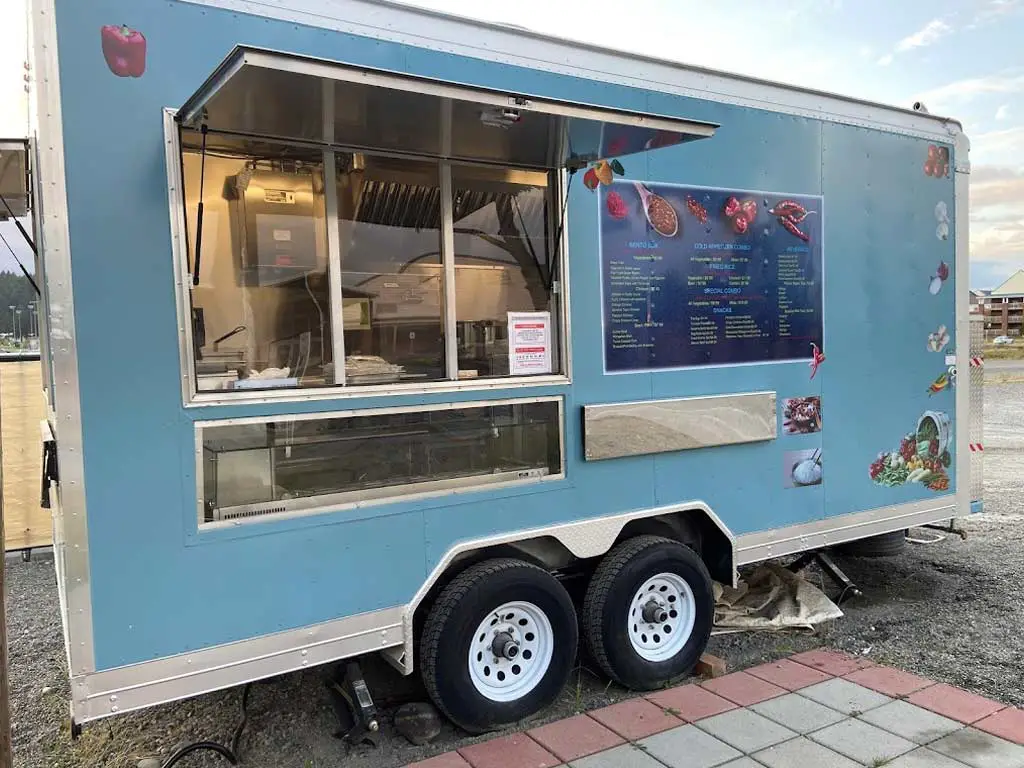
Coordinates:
976	435
492	41
102	694
52	187
400	113
660	426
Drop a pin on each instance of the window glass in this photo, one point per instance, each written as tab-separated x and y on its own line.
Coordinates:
253	470
389	222
502	264
261	306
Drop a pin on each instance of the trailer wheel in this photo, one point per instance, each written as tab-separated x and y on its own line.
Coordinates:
648	612
498	644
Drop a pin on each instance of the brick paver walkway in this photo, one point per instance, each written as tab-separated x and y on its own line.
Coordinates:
820	709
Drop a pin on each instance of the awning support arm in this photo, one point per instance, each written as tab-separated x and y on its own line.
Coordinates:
199	211
558	233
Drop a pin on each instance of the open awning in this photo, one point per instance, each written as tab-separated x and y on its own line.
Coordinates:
14	185
284	97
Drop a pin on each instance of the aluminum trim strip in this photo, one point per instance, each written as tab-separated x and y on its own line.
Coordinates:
337	294
46	109
124	689
961	223
764	545
584	538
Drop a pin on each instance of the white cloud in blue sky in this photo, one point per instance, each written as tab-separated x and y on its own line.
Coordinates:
962	58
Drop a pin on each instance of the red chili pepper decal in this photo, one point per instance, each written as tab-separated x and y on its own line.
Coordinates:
788	208
817	358
789	214
124	50
793	229
698	211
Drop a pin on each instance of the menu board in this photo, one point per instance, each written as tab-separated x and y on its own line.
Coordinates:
694	276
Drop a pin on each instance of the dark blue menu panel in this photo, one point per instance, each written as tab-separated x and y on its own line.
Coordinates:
694	276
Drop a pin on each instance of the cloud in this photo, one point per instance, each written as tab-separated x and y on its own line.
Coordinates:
959	91
1003	112
997	213
993	10
929	34
1006	140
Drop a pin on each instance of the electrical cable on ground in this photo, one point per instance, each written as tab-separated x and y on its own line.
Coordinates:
228	753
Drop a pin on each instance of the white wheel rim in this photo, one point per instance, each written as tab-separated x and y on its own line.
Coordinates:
661	617
510	651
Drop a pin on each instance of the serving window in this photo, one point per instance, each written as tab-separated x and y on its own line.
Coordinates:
345	227
267	313
251	470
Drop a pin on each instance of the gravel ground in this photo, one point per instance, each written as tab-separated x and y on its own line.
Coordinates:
950	610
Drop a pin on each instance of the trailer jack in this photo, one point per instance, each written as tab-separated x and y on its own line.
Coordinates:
829	566
354	707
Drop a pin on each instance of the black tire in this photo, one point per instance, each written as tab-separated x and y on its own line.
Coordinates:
885	545
450	630
607	605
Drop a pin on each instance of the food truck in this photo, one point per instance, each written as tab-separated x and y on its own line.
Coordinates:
369	329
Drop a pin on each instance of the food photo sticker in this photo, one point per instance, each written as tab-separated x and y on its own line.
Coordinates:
801	415
942	217
661	216
942	382
801	469
923	456
936	281
938	339
124	50
741	215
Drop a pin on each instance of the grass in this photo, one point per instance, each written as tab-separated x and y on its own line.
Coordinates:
1013	351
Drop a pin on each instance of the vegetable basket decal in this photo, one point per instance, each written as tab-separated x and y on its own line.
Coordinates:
923	456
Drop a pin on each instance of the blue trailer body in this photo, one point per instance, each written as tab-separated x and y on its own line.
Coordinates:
159	585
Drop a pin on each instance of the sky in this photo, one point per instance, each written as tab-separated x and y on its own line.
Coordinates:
961	58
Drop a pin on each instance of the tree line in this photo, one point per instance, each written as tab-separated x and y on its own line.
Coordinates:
16	291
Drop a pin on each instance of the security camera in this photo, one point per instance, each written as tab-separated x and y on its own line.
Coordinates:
920	107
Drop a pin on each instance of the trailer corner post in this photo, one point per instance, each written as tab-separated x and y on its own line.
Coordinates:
6	756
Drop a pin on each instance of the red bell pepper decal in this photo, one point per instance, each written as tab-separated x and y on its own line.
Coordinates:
124	49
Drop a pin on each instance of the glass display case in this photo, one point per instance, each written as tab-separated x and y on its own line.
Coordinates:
252	470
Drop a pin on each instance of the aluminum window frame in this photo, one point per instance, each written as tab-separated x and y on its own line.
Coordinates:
307	506
558	240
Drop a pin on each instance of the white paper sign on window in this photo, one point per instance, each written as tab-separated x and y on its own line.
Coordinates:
529	343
